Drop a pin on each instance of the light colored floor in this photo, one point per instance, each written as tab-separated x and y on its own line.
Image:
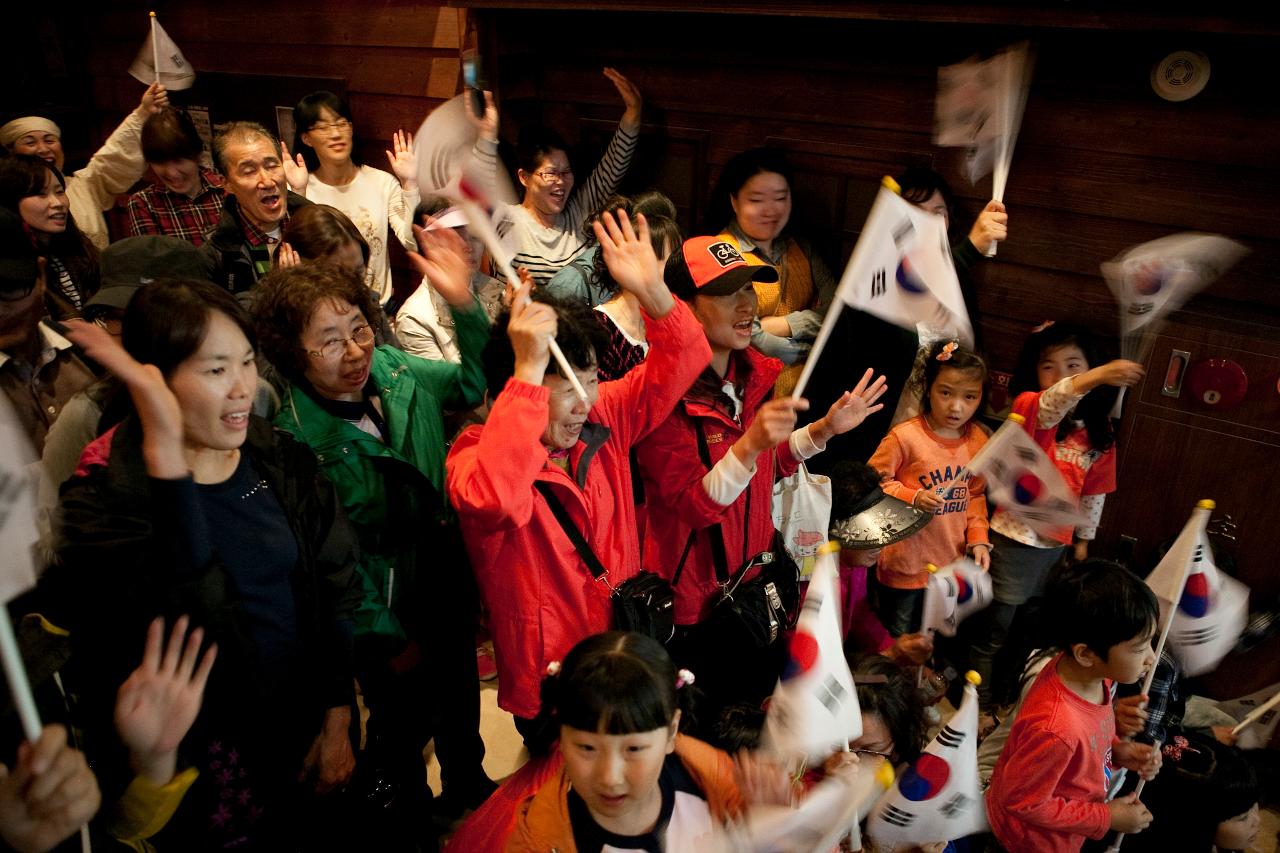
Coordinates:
505	753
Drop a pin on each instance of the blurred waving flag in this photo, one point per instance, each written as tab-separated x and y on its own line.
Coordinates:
1155	278
1024	481
161	61
939	798
954	592
830	811
17	506
814	710
1208	609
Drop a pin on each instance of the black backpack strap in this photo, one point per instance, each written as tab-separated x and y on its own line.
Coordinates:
675	579
719	557
597	569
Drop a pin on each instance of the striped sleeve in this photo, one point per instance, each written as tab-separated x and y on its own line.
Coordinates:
604	179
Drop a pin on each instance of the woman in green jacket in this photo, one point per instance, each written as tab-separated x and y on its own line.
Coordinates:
373	416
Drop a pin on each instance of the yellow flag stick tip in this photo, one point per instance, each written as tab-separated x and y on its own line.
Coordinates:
1206	504
890	184
153	14
973	678
884	775
930	568
1017	418
832	547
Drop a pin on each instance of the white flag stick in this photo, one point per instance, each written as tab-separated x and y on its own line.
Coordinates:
155	46
16	673
1257	714
480	225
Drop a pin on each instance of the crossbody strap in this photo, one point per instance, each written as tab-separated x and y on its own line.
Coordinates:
719	553
594	566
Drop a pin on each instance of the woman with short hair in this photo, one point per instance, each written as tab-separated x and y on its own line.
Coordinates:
187	202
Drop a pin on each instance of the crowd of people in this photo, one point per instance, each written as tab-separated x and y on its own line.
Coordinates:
280	508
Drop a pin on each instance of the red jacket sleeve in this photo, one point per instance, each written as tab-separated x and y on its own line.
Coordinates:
491	468
634	406
1038	764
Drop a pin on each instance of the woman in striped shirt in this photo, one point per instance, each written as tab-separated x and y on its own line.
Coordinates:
546	229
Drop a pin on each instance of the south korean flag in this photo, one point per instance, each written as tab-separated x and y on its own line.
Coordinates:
814	710
939	798
1208	609
954	592
1024	481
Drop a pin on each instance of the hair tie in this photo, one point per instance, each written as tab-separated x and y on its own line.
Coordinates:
553	669
1180	745
1038	329
683	678
947	349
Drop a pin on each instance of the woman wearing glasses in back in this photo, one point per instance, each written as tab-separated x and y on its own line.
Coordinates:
323	167
547	229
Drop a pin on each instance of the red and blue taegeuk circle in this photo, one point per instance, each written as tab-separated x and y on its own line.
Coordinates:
964	590
924	779
908	280
803	655
1195	596
1027	488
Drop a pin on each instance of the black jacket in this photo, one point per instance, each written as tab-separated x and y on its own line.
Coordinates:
228	250
123	559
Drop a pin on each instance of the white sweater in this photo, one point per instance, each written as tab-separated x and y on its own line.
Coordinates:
373	201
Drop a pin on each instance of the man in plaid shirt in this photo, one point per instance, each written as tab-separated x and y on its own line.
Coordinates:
188	201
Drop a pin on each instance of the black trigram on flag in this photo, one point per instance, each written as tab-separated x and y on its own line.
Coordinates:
1198	556
1197	636
1027	455
831	694
957	805
877	284
950	738
1139	308
898	817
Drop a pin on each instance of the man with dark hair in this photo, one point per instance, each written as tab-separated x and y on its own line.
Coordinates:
257	206
187	202
546	451
39	370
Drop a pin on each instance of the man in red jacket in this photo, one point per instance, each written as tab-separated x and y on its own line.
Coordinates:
541	597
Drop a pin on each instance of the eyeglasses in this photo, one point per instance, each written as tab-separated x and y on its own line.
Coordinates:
324	126
885	755
333	348
551	176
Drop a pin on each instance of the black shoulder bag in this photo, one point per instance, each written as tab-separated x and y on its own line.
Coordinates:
644	604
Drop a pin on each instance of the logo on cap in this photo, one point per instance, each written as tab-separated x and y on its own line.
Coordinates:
725	253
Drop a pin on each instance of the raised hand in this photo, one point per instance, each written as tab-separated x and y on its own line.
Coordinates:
161	698
287	256
773	424
532	325
991	227
155	99
486	125
442	260
851	409
404	165
156	405
628	253
50	794
295	169
630	95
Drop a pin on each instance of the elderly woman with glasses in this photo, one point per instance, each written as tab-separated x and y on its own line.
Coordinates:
373	416
325	169
547	230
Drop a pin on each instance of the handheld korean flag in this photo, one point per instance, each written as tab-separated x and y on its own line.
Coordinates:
1205	614
17	540
1155	278
939	798
814	710
979	107
1023	480
160	61
823	817
954	592
902	272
